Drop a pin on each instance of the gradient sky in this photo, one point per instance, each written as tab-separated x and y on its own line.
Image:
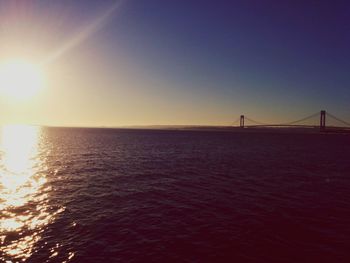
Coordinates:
149	62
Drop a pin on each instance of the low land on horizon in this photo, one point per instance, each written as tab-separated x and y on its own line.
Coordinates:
252	129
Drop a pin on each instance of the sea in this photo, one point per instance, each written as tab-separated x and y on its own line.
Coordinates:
138	195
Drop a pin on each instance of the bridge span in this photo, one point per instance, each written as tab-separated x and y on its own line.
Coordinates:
323	116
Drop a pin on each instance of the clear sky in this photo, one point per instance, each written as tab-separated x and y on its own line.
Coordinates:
149	62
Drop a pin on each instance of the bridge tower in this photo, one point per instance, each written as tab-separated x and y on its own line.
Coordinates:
241	121
323	120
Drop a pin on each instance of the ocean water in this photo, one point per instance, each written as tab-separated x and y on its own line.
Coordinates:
113	195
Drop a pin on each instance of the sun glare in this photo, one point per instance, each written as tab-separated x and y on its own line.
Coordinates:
20	79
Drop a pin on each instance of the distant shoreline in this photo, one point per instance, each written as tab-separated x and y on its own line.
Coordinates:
313	130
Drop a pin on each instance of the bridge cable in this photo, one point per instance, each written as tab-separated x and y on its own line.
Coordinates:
235	122
287	123
256	122
303	119
336	118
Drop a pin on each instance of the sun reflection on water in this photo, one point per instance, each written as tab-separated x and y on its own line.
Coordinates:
24	192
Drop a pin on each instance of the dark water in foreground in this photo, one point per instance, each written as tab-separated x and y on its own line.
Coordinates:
104	195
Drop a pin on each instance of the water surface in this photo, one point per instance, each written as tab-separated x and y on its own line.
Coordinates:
109	195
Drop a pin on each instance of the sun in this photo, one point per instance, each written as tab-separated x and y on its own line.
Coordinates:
20	79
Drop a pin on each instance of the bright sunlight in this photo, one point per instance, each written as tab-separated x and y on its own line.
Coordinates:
20	79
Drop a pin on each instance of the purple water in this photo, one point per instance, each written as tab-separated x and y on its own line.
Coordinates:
113	195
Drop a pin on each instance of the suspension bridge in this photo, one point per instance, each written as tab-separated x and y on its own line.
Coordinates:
323	120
